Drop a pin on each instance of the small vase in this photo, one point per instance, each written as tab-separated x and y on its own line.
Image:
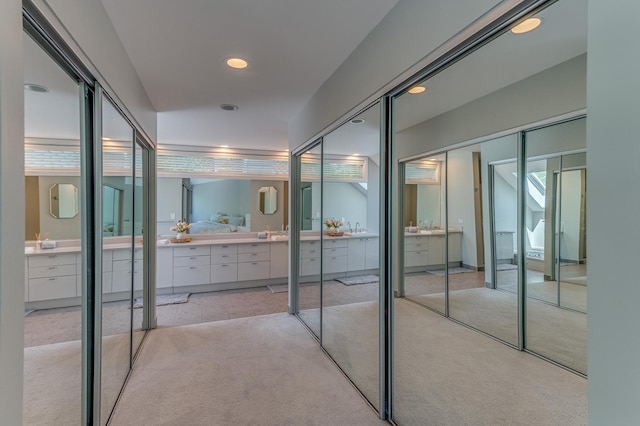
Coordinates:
179	235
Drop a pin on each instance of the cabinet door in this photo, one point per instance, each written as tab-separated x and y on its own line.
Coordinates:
436	250
191	275
249	271
279	260
415	258
372	253
164	270
455	247
310	266
224	273
52	288
357	253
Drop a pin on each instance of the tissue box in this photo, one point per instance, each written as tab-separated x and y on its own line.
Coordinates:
262	235
48	244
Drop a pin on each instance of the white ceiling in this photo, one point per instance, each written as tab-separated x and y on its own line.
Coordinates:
179	48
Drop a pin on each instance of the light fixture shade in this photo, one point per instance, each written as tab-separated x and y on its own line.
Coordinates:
417	89
526	26
237	63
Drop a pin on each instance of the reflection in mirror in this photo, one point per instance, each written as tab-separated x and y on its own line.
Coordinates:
112	210
424	236
268	199
510	82
307	206
120	264
309	289
140	194
63	201
53	282
350	266
556	268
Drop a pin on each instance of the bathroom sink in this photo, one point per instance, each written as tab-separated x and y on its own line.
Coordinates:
279	238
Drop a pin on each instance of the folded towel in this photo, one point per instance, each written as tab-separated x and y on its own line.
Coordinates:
48	244
163	242
262	235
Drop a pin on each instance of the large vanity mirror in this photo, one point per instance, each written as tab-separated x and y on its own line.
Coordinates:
268	199
63	201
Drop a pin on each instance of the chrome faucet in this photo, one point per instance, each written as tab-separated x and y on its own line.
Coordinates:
349	226
357	224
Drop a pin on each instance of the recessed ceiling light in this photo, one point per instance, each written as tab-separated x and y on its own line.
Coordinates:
357	121
36	88
229	107
355	154
526	26
237	63
417	89
224	146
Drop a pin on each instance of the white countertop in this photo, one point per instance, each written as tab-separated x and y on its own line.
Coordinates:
30	251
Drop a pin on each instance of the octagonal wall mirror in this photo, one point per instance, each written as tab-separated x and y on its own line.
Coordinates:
268	202
63	201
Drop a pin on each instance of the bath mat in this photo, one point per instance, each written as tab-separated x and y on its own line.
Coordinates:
27	312
166	299
362	279
283	288
457	270
505	267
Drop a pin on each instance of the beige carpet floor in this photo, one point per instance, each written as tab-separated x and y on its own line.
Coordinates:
52	380
264	370
558	334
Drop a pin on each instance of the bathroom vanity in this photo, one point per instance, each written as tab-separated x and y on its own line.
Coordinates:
53	277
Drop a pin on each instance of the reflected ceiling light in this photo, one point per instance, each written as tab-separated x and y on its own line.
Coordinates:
224	146
229	107
526	26
237	63
36	88
355	154
357	121
417	89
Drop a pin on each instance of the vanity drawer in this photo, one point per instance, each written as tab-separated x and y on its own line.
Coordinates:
121	281
336	251
220	258
415	258
414	246
191	275
52	271
333	264
224	272
253	271
52	260
254	257
333	243
192	251
310	266
191	260
310	253
253	248
224	249
124	254
125	265
52	288
309	245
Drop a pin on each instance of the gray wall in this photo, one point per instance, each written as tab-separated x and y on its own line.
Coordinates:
94	35
460	201
612	206
260	221
409	31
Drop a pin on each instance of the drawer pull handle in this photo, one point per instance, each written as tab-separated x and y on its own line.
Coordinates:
225	255
193	267
52	279
53	256
224	266
192	258
192	248
53	267
254	263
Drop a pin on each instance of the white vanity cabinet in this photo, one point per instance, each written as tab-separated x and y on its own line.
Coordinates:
415	251
254	261
363	253
125	269
424	251
372	253
310	258
334	255
279	260
52	276
504	247
191	265
164	269
224	263
107	271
